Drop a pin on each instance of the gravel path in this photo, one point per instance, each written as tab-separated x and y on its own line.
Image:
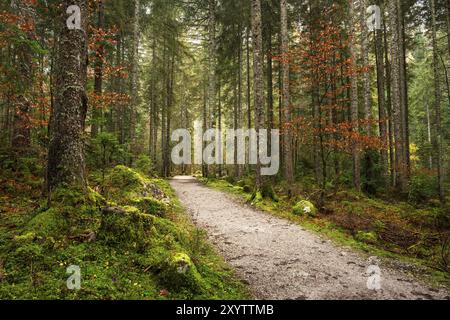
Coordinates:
279	260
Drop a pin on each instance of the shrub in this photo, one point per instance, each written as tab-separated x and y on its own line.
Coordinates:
145	165
422	187
104	151
268	192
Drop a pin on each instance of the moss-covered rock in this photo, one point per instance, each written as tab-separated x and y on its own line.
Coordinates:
179	272
126	227
305	207
151	206
50	223
125	178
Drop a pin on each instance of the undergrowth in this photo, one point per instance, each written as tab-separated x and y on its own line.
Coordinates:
129	235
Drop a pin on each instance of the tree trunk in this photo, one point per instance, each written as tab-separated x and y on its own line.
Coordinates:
239	93
404	93
287	118
437	103
389	105
354	104
134	79
21	136
366	79
383	117
258	63
98	77
66	164
396	96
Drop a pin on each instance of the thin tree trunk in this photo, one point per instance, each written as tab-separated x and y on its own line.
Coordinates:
239	94
270	118
249	84
98	77
134	78
389	106
383	117
258	63
354	105
369	129
287	118
437	103
404	92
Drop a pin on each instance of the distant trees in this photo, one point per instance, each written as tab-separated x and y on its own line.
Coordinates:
343	97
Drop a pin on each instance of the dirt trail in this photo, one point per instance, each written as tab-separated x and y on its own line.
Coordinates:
280	260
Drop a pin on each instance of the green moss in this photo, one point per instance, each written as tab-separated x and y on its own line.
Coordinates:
125	227
305	207
125	178
367	237
151	206
50	223
133	250
179	272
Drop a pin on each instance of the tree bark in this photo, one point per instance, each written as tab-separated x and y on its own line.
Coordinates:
66	162
404	93
437	102
98	77
258	63
135	79
354	104
396	96
287	118
383	115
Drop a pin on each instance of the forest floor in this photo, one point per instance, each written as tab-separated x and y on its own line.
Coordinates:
131	240
281	260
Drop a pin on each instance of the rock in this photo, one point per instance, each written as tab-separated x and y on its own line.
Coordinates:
305	207
179	272
126	227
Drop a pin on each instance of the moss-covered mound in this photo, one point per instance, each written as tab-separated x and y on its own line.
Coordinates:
127	187
126	247
305	207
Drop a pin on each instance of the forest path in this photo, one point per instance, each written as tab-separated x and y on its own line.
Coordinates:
281	260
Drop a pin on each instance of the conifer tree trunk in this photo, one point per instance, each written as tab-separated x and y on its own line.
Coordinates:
354	104
437	102
396	95
258	74
381	89
98	78
66	162
287	118
134	77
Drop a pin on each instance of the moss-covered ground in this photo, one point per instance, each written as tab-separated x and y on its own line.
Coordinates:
128	234
416	235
